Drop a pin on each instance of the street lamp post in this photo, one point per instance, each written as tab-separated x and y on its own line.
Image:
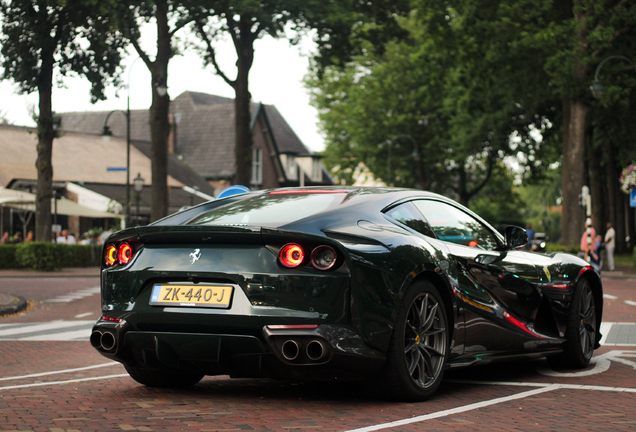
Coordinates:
106	132
597	87
138	183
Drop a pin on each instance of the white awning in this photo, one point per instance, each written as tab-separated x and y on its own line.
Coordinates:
26	201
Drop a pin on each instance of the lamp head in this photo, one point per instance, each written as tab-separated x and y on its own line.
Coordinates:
106	133
138	183
597	89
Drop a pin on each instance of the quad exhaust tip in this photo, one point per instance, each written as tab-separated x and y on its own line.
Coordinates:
315	350
105	340
290	350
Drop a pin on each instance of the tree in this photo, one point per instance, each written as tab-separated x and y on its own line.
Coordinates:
248	20
44	41
169	17
574	36
453	86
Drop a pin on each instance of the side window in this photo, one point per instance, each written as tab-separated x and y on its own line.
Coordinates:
453	225
408	215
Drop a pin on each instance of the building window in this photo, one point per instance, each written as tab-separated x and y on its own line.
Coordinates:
316	170
292	170
257	167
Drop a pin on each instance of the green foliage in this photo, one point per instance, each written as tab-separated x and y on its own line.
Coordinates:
7	256
45	256
634	257
555	247
444	102
76	37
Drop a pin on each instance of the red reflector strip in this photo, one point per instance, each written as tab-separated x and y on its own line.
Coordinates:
514	321
559	286
306	191
584	269
287	327
105	318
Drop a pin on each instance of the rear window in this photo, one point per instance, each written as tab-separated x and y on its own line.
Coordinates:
269	209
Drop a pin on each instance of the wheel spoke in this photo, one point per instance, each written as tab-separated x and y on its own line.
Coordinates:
429	321
412	346
421	312
429	349
415	360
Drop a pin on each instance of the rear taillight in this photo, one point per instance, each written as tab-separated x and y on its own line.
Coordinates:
292	255
323	257
120	253
125	253
110	255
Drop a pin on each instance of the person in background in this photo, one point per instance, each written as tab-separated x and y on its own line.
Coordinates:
5	238
610	244
17	238
584	244
66	238
593	255
29	237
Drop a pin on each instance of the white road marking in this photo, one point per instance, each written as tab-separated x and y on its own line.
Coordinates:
63	336
40	327
76	295
82	315
608	296
60	371
631	303
456	410
63	382
543	388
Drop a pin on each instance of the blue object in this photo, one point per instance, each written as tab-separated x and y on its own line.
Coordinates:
632	198
232	190
115	168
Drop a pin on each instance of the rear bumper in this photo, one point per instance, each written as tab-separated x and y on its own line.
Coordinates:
322	353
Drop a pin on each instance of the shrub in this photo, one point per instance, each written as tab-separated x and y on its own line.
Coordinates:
556	247
44	256
634	257
7	256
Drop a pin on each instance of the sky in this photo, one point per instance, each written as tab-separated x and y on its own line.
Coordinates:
275	79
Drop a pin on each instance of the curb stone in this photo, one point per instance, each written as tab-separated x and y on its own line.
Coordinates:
11	304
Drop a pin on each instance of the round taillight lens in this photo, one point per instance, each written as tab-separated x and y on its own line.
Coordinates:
125	253
292	255
323	257
110	255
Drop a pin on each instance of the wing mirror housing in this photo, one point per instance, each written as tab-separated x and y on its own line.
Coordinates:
516	237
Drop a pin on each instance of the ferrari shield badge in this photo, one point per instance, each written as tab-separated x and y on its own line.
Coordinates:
545	270
194	256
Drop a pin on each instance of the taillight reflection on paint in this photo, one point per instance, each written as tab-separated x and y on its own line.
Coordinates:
323	257
292	255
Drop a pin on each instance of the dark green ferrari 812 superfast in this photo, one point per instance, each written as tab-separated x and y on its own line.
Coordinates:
388	285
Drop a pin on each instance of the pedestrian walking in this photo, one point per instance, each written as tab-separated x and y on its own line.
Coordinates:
610	244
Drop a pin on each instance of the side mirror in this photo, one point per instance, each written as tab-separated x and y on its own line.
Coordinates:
516	237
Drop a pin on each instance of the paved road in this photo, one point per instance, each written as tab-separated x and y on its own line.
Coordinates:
64	385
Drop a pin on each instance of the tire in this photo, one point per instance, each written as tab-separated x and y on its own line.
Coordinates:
162	378
581	330
418	350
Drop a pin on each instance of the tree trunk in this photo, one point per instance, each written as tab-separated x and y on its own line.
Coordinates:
44	163
244	46
573	169
596	184
159	122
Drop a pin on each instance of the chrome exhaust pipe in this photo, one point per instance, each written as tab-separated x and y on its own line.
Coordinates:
95	339
316	350
107	341
290	350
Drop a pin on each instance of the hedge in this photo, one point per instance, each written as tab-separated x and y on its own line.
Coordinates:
556	247
44	256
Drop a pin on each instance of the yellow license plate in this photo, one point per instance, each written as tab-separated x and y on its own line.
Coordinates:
215	296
